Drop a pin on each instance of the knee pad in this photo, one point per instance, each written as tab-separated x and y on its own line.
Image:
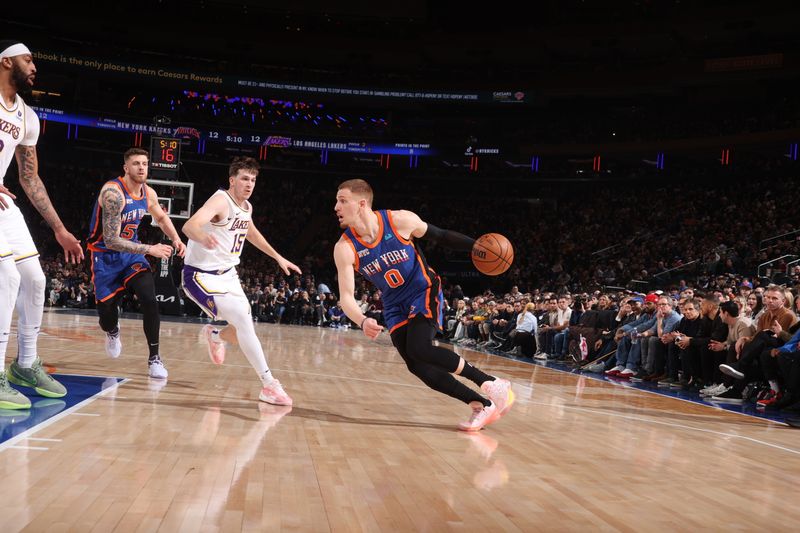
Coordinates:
107	314
30	301
9	279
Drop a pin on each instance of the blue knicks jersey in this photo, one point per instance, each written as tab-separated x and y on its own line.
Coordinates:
133	210
395	266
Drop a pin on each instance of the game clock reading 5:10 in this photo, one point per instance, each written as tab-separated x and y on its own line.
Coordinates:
165	154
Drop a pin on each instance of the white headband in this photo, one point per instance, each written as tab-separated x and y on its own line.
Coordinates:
15	50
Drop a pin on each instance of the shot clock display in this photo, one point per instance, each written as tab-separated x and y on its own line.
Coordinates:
165	155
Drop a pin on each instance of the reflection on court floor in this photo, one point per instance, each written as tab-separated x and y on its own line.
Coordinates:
79	389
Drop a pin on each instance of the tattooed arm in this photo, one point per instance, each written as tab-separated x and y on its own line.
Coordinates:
34	187
113	202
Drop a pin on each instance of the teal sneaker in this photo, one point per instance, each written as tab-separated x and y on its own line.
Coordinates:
37	378
11	398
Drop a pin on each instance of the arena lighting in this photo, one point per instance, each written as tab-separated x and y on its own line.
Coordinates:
725	158
520	165
231	137
792	152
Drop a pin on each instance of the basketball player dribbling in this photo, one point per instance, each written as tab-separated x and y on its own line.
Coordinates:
217	232
118	258
22	280
380	246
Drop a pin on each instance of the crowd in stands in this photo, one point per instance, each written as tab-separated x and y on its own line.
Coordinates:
733	342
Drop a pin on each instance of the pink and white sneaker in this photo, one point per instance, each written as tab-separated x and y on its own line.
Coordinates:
499	391
480	417
216	349
274	394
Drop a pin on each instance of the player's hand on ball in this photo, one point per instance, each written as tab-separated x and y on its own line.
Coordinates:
161	251
3	203
73	251
371	328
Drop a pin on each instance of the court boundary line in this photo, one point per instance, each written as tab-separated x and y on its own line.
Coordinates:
662	422
53	419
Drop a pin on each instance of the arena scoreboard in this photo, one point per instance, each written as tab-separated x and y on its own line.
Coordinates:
165	156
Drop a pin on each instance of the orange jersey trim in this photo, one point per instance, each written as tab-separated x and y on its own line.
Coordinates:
396	233
380	233
428	312
357	264
112	295
399	325
141	196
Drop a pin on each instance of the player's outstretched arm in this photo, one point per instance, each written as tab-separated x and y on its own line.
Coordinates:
408	223
258	240
32	184
164	222
345	260
113	202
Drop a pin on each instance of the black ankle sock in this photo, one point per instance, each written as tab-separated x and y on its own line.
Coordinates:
114	332
153	357
475	375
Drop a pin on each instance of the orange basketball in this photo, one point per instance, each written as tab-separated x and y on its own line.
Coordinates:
492	254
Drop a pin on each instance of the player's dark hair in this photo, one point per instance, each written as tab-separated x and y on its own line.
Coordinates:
243	163
132	152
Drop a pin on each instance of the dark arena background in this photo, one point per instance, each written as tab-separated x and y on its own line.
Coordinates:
640	156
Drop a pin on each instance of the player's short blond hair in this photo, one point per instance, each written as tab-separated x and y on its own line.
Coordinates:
358	187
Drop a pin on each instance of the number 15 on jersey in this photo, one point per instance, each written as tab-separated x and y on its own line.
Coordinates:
238	242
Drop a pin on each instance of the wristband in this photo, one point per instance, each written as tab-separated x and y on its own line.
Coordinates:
362	322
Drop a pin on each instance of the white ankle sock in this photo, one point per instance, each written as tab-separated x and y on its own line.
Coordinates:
266	378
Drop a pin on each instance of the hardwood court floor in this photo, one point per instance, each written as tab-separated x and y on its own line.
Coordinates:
368	448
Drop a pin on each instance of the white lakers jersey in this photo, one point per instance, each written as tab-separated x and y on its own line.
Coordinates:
230	233
18	125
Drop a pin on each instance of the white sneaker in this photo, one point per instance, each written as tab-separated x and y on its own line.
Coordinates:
500	393
626	373
540	356
479	418
113	345
216	349
719	390
156	369
274	394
